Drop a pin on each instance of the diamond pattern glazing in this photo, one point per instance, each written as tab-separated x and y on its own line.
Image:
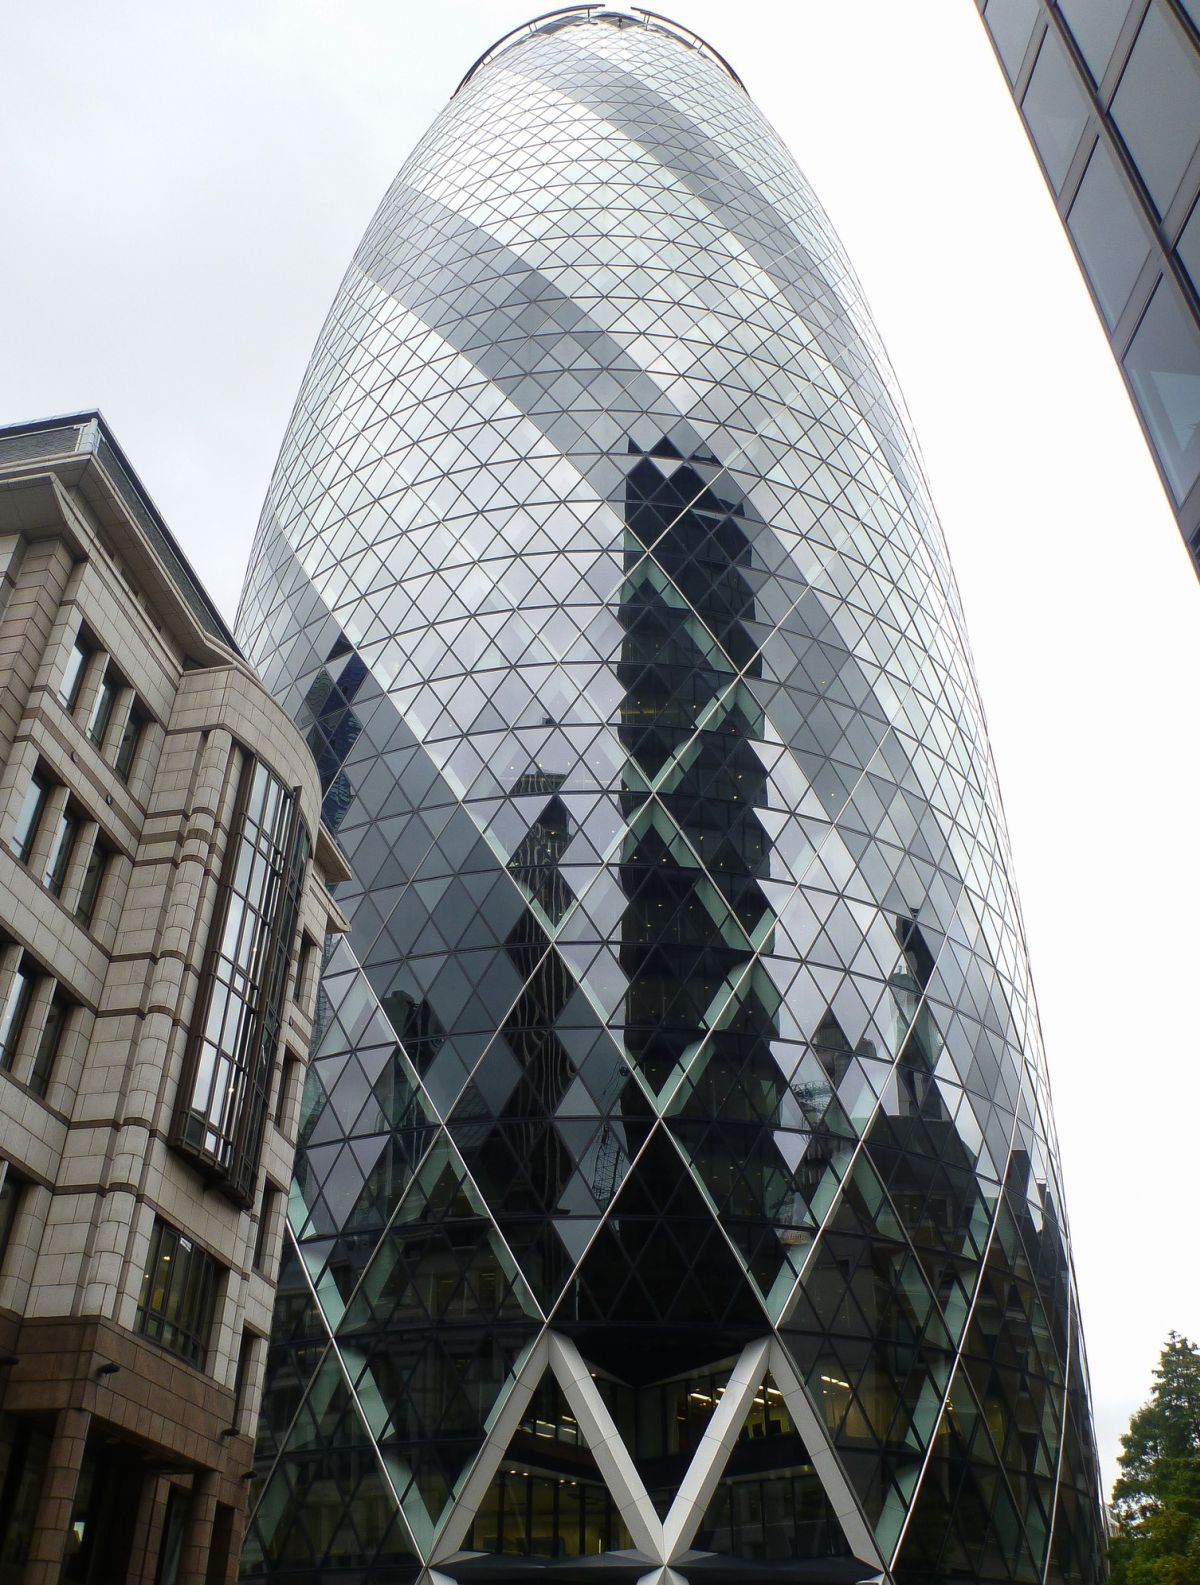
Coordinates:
678	1178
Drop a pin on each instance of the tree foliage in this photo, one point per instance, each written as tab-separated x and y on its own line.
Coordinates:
1156	1500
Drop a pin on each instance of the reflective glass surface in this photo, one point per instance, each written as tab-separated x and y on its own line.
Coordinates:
1055	108
1109	233
1095	25
1010	23
1157	104
1163	365
1188	246
682	1053
223	1091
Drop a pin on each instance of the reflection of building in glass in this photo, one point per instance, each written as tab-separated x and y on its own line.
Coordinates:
677	1185
1110	97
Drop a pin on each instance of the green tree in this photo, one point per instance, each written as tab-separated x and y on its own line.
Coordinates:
1156	1500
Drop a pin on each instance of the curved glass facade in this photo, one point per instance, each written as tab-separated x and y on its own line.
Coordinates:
678	1186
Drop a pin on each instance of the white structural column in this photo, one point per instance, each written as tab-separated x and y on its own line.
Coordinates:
811	1428
664	1543
613	1460
711	1456
500	1433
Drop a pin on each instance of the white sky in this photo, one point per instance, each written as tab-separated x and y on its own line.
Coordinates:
182	188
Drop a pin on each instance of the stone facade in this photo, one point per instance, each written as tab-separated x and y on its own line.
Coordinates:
140	763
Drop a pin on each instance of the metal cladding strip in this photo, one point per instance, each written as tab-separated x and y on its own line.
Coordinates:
462	1511
824	1458
710	1458
617	1468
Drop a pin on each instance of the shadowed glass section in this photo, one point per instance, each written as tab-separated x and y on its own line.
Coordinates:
684	1006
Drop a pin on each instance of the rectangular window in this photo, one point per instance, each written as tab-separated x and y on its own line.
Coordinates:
93	882
81	653
49	1042
178	1295
131	737
223	1096
10	1195
245	1360
15	1013
30	817
102	707
266	1220
61	849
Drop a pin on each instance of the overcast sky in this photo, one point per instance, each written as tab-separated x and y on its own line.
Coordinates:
182	188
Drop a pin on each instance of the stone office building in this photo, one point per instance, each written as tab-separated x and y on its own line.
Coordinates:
163	909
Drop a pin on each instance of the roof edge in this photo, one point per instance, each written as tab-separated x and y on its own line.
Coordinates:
636	16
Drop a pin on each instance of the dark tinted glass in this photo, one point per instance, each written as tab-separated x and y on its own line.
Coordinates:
1109	233
1163	365
14	1012
61	850
73	675
25	832
1010	23
10	1193
1188	246
49	1042
1095	24
178	1294
127	748
102	708
1157	104
1055	108
89	891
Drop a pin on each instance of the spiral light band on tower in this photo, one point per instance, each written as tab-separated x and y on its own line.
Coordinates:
678	1195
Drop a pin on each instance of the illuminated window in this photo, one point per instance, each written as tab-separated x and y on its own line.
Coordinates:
178	1295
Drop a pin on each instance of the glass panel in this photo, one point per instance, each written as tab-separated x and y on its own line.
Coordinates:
68	693
1108	232
1188	246
25	834
178	1294
1055	109
1010	22
1095	24
14	1013
60	852
48	1044
1157	105
1163	365
127	749
102	708
224	1102
89	891
10	1193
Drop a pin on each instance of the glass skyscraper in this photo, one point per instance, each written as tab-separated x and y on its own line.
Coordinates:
678	1196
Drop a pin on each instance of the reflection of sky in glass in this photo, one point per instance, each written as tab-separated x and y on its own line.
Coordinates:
598	568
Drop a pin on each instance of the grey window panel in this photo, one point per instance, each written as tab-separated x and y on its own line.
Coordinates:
1095	25
1163	365
1055	109
1188	246
1108	230
1157	104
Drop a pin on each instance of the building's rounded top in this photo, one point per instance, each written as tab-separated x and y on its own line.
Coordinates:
635	17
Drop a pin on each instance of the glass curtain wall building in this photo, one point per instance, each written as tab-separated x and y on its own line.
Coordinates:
678	1196
1109	91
